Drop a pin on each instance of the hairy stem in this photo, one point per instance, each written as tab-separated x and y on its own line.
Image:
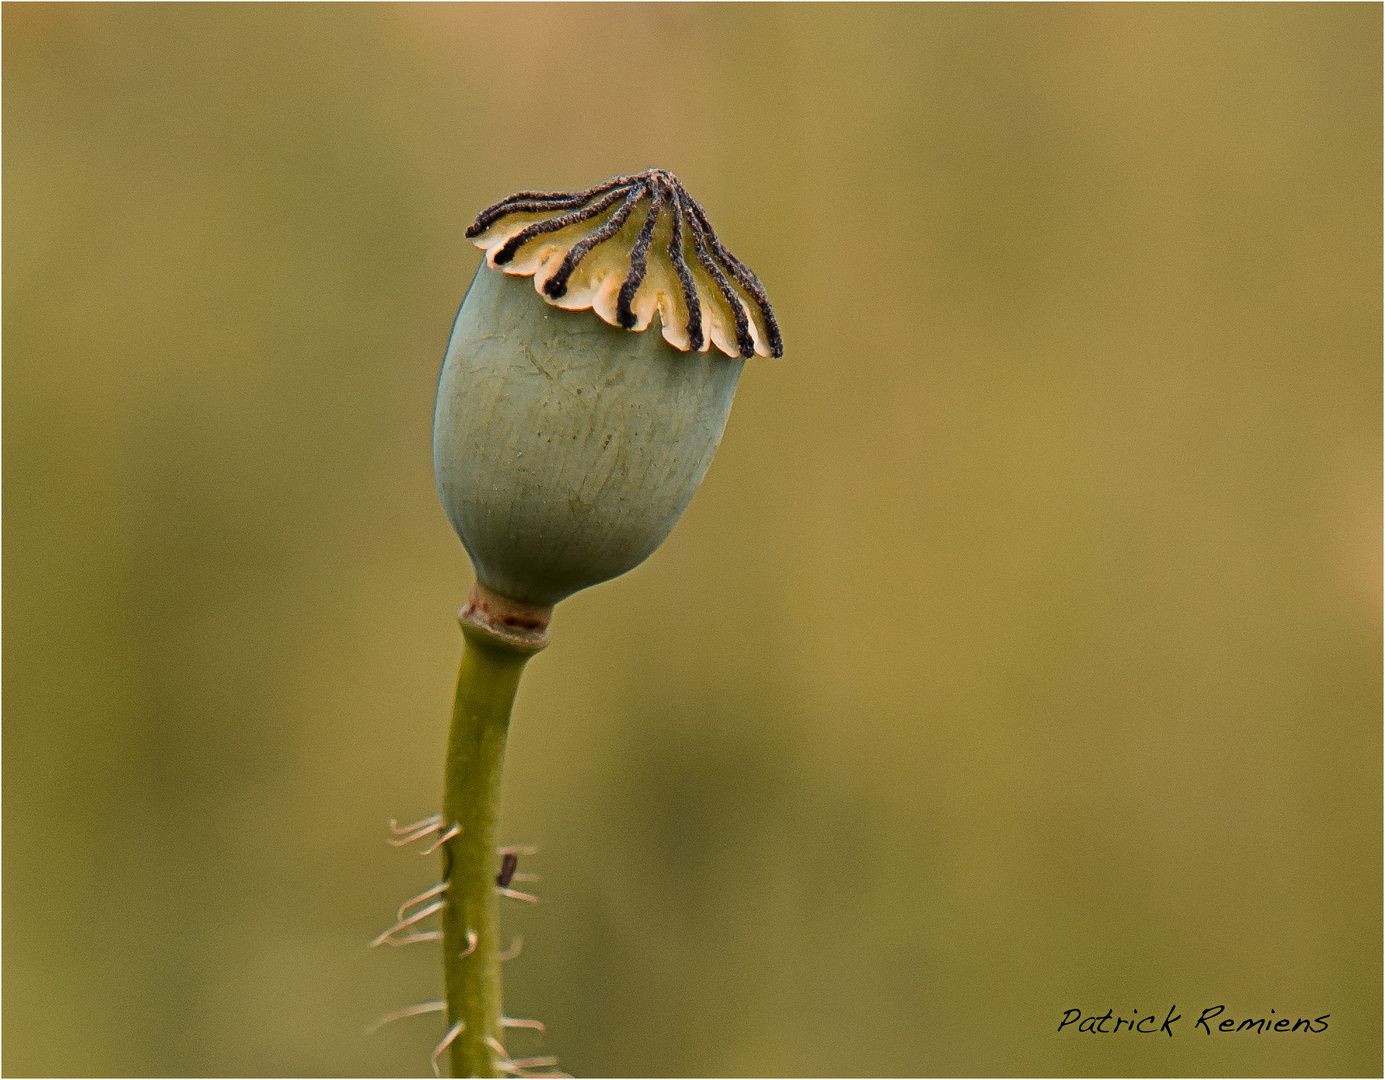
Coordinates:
486	686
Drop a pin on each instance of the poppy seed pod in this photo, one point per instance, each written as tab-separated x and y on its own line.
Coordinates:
566	441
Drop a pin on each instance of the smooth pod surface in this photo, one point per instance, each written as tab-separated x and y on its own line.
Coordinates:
566	449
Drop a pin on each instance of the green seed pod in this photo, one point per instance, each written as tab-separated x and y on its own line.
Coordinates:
566	446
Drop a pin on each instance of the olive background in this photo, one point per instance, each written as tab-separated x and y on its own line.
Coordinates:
1020	653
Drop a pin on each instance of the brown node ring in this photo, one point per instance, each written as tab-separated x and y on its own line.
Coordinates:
513	622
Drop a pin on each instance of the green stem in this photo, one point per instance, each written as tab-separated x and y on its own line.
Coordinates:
486	686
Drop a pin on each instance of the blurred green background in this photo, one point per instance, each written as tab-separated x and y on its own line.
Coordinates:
1020	653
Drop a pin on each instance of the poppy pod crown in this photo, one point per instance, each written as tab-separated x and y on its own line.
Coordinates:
566	446
626	248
